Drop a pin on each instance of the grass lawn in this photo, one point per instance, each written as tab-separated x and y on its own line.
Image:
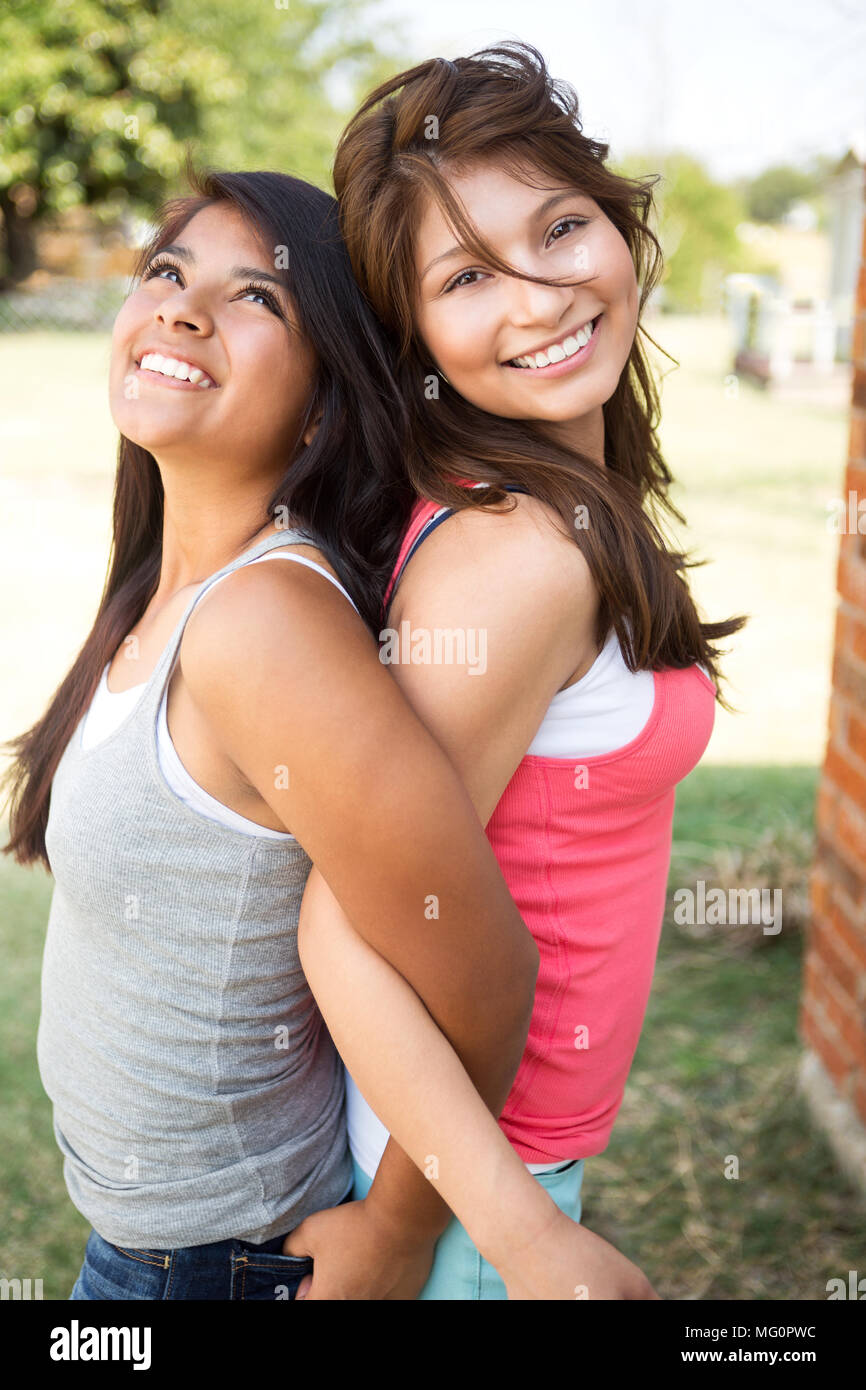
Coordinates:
714	1075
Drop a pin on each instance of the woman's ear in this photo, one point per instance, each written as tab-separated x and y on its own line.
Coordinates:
310	431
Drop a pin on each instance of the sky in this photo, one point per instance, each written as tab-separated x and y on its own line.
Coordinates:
742	85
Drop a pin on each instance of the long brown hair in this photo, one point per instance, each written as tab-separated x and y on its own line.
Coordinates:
501	105
348	488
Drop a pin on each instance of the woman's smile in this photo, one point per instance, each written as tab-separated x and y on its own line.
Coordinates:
561	357
172	371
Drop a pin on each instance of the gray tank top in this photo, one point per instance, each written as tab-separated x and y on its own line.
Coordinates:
197	1093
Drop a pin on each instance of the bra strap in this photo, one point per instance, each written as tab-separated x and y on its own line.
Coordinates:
430	527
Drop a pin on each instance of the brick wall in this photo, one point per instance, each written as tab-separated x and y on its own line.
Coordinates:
833	1005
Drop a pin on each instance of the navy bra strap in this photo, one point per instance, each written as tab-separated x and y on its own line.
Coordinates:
431	526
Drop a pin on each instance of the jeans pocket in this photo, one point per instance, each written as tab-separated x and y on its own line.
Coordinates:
116	1272
160	1259
267	1275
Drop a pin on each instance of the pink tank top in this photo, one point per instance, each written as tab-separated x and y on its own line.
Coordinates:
584	845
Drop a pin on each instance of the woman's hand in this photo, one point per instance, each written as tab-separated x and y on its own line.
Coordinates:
357	1256
571	1262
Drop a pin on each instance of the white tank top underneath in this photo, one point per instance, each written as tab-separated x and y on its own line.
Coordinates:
109	708
600	713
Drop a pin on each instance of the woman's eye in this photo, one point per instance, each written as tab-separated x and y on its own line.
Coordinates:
569	222
268	299
452	284
157	270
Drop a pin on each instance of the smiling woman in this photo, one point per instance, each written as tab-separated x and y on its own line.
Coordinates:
245	333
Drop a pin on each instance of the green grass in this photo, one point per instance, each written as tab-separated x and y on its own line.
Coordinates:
714	1079
42	1235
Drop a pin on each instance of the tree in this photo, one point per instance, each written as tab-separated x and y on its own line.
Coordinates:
771	193
102	100
696	221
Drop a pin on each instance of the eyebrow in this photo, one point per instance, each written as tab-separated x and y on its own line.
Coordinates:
540	211
237	272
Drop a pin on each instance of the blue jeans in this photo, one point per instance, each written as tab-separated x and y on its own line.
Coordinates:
225	1269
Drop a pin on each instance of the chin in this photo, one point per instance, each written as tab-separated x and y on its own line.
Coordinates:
135	429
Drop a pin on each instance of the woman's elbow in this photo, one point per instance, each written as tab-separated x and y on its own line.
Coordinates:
523	974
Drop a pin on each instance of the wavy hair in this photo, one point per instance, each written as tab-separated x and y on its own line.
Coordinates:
501	106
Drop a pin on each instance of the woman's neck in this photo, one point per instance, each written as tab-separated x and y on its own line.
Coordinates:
586	434
203	530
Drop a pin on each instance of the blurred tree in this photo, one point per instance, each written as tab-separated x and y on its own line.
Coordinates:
102	100
696	221
769	195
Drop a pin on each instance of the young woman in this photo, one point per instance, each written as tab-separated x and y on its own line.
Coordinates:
227	723
510	266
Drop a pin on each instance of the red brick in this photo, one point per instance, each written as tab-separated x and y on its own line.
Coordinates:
826	806
838	1062
853	636
847	776
851	572
852	935
857	737
809	1026
839	965
850	833
843	1014
857	438
819	894
840	874
848	679
837	722
858	340
852	521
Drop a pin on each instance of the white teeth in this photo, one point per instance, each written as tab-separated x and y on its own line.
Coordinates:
174	367
557	352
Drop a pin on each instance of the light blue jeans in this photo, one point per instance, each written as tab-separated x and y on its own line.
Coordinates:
459	1271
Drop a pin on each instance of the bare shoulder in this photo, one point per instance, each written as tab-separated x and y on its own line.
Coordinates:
269	619
524	545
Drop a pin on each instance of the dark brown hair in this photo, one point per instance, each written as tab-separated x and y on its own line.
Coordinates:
348	488
500	105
